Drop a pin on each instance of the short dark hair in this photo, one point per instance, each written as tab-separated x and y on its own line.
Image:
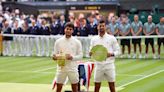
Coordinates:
69	24
161	17
101	21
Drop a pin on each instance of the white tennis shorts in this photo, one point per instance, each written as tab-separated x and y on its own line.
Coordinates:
105	71
73	77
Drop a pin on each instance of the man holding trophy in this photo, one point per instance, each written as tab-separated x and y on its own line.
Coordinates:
103	49
67	50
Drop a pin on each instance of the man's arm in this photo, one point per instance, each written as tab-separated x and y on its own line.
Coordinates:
132	31
116	31
91	45
151	32
116	47
108	30
129	30
157	30
144	30
120	32
139	31
55	51
126	33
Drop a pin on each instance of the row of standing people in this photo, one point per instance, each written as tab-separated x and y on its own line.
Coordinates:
56	28
136	28
114	28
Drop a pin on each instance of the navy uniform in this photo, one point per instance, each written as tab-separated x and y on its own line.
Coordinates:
17	41
7	31
92	29
34	30
34	41
61	27
26	31
84	32
25	40
18	30
92	26
7	41
83	29
75	31
45	31
55	27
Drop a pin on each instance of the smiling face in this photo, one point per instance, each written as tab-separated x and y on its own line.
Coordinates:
68	32
68	29
101	28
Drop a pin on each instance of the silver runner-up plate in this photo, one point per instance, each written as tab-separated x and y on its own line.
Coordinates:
99	53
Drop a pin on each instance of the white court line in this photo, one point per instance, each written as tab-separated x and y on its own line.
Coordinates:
37	71
129	75
25	72
27	87
122	86
45	69
119	88
41	71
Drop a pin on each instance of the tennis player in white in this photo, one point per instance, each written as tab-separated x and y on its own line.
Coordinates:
105	69
72	49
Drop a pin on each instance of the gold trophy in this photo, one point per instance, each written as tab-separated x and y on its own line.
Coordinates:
61	60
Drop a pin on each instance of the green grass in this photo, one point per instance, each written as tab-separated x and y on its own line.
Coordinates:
41	70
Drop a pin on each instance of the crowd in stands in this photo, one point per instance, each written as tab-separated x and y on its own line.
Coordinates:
15	22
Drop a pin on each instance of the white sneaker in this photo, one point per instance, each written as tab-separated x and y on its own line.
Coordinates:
20	55
140	56
154	57
129	56
38	55
27	55
47	55
134	56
